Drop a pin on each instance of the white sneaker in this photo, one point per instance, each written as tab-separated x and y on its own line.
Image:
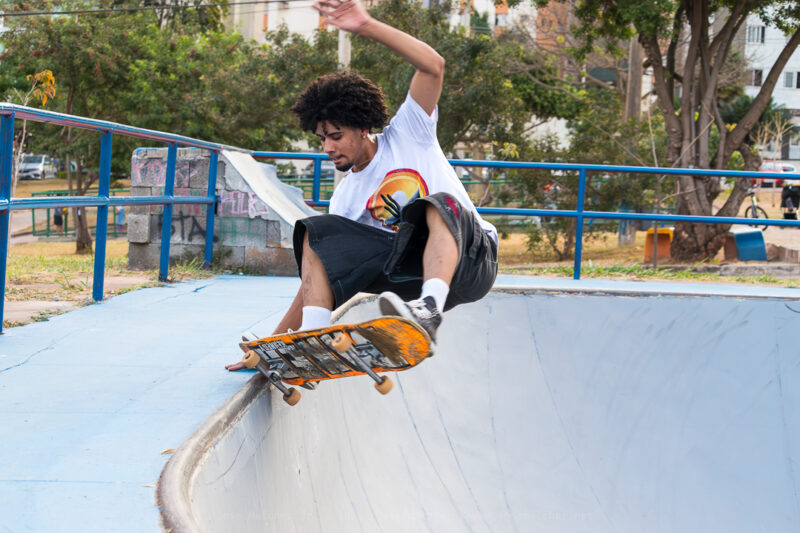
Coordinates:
424	311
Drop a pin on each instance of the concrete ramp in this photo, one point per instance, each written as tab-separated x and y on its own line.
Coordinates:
285	201
540	412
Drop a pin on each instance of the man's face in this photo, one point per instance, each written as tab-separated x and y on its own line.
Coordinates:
344	145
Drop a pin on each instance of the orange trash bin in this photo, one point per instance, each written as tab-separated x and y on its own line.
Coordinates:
664	242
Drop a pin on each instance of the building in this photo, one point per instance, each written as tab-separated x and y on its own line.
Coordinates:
762	46
254	21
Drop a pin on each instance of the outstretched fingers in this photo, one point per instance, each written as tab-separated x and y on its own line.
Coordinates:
348	15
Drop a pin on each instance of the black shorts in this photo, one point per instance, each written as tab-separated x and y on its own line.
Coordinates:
362	258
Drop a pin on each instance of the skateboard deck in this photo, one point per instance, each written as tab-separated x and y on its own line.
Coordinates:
386	344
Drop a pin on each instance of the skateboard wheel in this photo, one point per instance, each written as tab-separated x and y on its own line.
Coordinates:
385	385
250	359
293	397
341	343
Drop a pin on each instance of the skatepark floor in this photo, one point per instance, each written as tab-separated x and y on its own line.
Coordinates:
94	401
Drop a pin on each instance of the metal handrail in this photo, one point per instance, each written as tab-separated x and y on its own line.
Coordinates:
103	200
579	213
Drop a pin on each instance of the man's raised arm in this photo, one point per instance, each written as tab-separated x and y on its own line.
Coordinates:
426	85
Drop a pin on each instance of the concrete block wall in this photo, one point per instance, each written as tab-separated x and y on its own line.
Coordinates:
247	232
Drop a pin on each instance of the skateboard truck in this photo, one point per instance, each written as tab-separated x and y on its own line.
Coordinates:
290	395
343	343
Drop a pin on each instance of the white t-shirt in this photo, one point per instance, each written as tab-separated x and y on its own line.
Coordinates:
408	164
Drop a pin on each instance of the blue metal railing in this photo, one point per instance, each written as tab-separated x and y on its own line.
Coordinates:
10	112
579	213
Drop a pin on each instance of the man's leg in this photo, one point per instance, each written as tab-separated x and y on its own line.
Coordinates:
440	258
439	262
316	290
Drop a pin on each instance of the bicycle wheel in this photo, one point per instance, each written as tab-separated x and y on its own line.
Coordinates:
756	212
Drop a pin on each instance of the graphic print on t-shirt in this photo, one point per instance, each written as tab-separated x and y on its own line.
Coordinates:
398	188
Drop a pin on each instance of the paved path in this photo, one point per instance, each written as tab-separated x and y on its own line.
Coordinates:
90	399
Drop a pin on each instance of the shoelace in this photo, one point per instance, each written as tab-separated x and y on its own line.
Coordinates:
420	308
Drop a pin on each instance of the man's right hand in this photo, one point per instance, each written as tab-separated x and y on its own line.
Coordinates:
233	367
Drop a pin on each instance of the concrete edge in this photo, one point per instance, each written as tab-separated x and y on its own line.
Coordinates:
683	291
172	493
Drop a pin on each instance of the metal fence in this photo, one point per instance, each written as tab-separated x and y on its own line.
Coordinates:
580	214
44	228
103	199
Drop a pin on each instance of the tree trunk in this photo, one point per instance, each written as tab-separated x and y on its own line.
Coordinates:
83	239
690	132
696	242
633	96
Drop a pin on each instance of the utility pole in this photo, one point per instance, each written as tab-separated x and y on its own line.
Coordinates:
344	50
633	96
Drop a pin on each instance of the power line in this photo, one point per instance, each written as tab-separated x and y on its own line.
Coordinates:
142	8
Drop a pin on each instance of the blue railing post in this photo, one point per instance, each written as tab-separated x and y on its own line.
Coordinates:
6	156
101	229
317	179
212	194
166	220
576	271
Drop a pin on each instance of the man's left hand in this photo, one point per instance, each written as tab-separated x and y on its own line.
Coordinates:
348	15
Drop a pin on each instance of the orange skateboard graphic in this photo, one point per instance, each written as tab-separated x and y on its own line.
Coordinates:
386	344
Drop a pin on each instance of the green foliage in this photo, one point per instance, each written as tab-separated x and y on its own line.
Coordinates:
482	101
732	112
599	136
186	78
479	23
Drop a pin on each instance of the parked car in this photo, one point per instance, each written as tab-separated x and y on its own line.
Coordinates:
37	167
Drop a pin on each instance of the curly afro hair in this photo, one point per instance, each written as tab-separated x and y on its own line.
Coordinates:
344	99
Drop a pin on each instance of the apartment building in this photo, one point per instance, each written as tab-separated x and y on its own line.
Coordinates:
762	45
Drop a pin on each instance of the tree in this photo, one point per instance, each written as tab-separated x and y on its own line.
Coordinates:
695	70
184	77
42	87
599	135
485	102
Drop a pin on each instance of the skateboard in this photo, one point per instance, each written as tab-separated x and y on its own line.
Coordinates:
304	358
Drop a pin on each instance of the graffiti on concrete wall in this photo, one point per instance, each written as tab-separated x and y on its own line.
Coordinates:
191	209
240	203
153	172
191	229
185	228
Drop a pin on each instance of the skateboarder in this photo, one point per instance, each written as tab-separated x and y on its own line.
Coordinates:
400	223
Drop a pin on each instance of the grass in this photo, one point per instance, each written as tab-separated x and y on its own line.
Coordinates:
26	188
602	258
57	261
643	272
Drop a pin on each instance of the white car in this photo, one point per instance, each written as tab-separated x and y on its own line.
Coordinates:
37	167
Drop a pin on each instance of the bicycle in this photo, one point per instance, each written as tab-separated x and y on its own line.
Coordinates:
754	210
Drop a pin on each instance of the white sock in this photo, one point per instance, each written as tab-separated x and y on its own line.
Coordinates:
438	289
315	317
